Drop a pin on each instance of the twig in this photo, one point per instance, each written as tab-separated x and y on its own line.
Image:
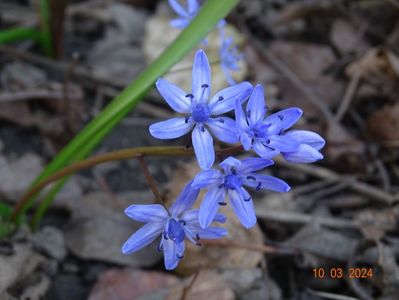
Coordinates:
189	286
54	93
349	94
355	185
278	250
150	179
299	218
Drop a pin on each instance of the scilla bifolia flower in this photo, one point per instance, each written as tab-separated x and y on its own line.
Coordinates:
235	174
269	136
185	14
229	58
202	113
175	225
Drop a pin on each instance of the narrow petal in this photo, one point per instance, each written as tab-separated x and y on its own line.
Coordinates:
304	154
282	143
283	119
180	23
227	75
243	209
208	233
147	213
178	8
144	236
253	164
225	100
241	119
203	147
174	96
256	107
264	151
307	137
170	129
208	178
224	129
201	77
171	259
265	182
193	6
185	200
210	205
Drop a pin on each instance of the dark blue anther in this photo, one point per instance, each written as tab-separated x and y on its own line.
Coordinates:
233	171
251	178
222	203
165	235
182	222
221	121
204	86
258	186
281	117
247	199
221	98
190	96
197	237
186	119
202	129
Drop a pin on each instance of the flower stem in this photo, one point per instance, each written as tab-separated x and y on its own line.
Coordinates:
150	179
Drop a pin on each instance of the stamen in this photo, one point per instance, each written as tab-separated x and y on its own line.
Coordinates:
202	129
190	96
204	86
197	236
233	171
247	199
281	117
221	98
251	178
220	186
221	121
222	203
179	256
258	187
165	235
249	113
267	142
182	222
186	119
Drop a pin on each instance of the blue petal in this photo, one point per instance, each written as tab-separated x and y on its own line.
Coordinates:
147	213
180	23
207	178
229	163
227	75
174	96
170	129
178	8
193	6
203	147
224	129
185	200
144	236
171	259
304	154
210	205
208	233
225	100
253	164
307	137
266	182
256	107
264	151
282	143
283	119
201	77
241	119
243	209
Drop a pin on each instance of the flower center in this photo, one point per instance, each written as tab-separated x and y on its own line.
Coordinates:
232	182
175	231
201	113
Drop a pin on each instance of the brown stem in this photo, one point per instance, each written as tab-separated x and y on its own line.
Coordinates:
150	179
187	288
106	157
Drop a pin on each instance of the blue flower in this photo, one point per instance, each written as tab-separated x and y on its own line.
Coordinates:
229	58
174	224
234	175
268	136
201	113
185	14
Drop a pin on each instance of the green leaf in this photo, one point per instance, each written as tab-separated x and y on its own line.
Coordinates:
96	130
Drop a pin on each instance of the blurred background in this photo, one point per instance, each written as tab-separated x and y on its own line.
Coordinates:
335	59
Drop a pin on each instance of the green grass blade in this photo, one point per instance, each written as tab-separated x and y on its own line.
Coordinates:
19	34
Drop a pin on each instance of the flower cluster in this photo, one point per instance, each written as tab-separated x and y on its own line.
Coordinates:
268	136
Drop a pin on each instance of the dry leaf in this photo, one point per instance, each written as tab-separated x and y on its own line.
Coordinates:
383	124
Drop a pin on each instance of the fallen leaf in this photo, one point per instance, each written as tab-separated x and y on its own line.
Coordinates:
127	284
207	285
383	124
